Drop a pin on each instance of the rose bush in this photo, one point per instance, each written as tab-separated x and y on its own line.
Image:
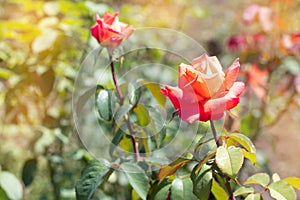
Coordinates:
204	91
109	32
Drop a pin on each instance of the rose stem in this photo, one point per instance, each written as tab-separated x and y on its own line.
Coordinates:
120	97
214	133
227	183
112	66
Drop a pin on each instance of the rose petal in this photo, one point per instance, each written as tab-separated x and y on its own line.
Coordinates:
127	31
110	18
109	31
188	111
197	62
231	74
215	65
210	71
232	97
174	94
215	106
207	65
95	32
227	102
190	77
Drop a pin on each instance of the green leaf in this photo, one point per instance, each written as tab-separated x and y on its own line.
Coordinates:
84	98
244	141
117	138
137	178
91	177
202	162
182	189
134	93
105	102
177	189
229	160
171	168
142	114
293	181
11	186
253	197
243	190
159	191
206	146
218	192
29	171
276	177
250	156
3	195
281	190
262	179
126	143
121	112
157	125
154	88
202	182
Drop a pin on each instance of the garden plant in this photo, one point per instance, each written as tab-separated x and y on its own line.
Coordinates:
97	107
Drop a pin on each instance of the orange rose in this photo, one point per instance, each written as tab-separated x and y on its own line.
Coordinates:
204	91
109	32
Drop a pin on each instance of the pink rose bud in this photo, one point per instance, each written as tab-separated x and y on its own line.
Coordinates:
109	32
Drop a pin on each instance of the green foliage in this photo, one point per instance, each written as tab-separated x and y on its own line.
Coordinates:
10	186
181	189
154	88
282	190
160	191
142	115
253	197
92	176
249	149
29	171
42	46
3	195
202	182
218	192
262	179
121	112
294	181
243	190
137	179
134	93
171	168
117	138
229	160
105	101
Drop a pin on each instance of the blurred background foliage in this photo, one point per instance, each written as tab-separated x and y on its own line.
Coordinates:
44	42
